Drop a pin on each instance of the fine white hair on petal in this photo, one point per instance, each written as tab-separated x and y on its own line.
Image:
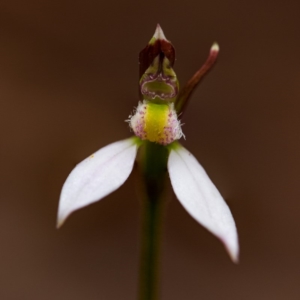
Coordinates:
201	199
97	176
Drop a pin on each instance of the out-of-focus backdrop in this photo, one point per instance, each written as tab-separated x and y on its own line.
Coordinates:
68	80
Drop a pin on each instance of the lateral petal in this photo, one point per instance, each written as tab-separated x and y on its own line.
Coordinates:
201	199
97	176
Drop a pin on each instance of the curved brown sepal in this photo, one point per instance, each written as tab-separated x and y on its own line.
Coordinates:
186	92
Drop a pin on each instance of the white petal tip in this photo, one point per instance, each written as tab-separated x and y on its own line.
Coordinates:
58	225
232	248
234	255
60	222
235	260
159	34
215	47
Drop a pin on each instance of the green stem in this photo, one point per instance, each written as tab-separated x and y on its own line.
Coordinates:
153	168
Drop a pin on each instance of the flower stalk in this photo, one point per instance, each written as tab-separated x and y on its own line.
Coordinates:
153	169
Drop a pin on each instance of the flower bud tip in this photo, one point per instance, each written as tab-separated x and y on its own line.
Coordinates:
159	34
215	47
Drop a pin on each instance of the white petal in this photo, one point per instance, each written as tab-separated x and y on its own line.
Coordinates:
201	199
96	177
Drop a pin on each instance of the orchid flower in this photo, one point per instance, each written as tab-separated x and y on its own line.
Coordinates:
155	121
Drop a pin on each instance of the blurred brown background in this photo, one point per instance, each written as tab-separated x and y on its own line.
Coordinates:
68	80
